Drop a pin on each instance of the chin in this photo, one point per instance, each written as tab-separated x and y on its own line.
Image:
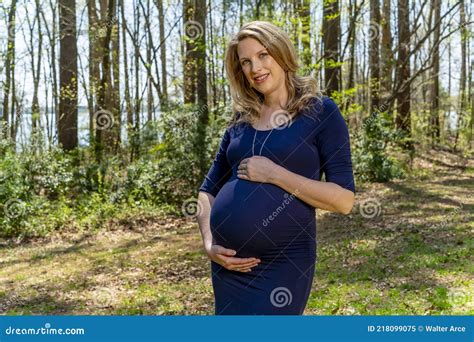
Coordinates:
264	88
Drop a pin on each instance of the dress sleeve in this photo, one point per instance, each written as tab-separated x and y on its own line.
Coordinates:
333	145
220	170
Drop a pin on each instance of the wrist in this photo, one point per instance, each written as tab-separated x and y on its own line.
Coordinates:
277	174
207	246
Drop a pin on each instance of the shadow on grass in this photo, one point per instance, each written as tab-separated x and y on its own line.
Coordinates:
400	250
122	269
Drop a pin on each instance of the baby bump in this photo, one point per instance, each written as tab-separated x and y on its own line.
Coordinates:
258	218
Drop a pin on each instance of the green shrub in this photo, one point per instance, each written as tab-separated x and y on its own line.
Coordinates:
43	189
29	182
371	158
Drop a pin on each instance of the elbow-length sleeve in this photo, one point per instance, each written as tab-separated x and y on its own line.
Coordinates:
220	170
333	144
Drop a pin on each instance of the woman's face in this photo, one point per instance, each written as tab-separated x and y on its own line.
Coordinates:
261	70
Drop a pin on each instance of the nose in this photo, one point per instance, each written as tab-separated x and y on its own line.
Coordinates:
256	66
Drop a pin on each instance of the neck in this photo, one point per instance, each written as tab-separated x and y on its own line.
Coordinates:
276	99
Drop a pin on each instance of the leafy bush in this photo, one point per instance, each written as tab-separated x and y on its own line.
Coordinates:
47	189
372	161
29	182
178	175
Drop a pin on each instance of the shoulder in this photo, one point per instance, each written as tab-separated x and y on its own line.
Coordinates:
235	125
327	108
333	123
319	108
327	117
321	104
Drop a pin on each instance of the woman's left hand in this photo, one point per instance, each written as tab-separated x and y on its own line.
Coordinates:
257	169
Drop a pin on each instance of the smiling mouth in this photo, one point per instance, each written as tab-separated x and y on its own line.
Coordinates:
261	78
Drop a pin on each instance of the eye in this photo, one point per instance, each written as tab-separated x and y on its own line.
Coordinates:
244	62
264	54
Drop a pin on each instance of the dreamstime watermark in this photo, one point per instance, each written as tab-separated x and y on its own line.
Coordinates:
460	297
191	208
448	218
374	31
103	297
101	32
370	208
103	119
95	32
14	208
373	116
10	32
281	119
224	117
185	119
288	199
46	330
9	302
280	297
193	29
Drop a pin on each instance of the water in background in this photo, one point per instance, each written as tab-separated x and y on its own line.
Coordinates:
24	129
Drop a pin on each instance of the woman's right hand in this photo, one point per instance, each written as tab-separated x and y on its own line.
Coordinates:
225	257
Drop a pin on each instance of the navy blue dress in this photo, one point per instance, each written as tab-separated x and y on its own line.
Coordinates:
264	221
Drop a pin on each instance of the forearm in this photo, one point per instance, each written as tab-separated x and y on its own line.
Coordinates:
205	201
324	195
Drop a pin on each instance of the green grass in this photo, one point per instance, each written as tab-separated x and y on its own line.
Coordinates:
415	257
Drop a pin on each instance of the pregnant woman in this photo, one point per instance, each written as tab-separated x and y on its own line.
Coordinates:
258	200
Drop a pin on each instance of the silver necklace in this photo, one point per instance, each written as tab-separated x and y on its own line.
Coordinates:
253	143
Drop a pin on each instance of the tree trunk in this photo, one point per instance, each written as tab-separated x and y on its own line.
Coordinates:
402	119
128	101
94	65
434	91
387	60
241	12
213	62
224	16
374	59
191	32
164	81
305	15
137	100
9	71
149	47
67	123
36	72
462	76
331	36
203	119
106	127
354	11
116	110
52	37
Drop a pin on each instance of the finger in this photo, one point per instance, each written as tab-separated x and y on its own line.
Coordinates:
241	266
237	262
224	251
240	269
243	174
242	261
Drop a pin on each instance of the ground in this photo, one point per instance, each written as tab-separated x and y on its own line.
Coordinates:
406	248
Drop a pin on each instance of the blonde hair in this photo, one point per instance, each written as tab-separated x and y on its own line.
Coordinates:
247	101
